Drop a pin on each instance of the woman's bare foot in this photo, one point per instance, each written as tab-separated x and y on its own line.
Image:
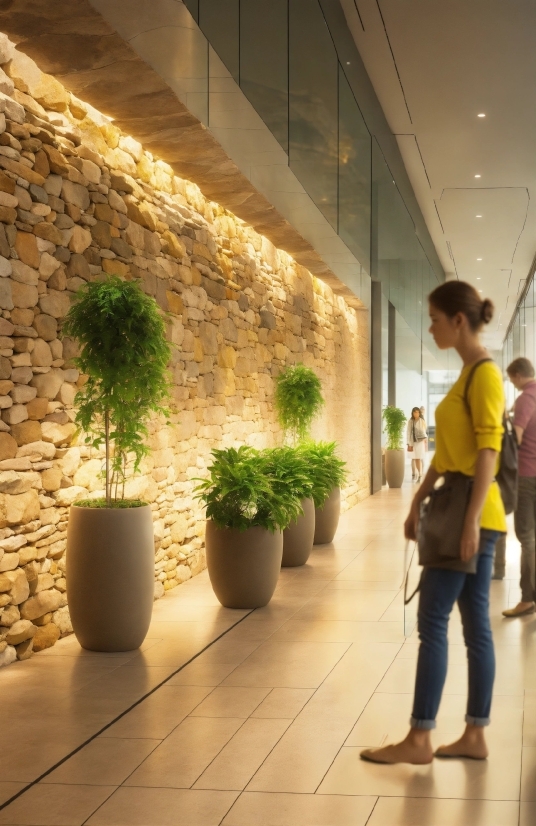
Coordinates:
471	744
416	748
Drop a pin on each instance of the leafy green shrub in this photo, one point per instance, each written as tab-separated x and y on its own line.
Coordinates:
394	419
298	399
124	354
248	488
326	471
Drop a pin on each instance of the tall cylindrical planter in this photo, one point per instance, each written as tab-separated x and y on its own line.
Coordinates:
327	518
110	576
243	566
395	461
298	537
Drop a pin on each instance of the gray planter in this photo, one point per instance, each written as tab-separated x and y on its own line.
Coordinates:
243	566
327	518
298	537
395	462
110	576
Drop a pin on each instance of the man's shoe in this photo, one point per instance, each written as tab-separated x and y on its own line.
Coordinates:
520	610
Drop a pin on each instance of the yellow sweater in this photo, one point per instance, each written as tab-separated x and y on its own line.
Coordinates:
459	436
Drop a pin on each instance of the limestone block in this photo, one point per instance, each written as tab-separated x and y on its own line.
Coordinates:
67	394
21	630
91	171
66	496
61	618
26	247
48	265
80	239
89	475
15	414
208	335
6	49
58	434
20	589
8	655
13	110
47	385
143	215
37	409
41	354
24	649
51	479
23	273
49	232
20	508
75	194
70	462
40	604
46	326
6	84
55	304
44	582
5	402
6	300
116	202
227	357
21	394
46	636
13	482
23	295
8	446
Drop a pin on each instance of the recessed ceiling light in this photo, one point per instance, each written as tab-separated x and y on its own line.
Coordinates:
478	216
481	115
348	63
480	291
478	176
478	278
479	259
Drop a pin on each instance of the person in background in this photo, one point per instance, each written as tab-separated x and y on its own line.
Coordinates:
415	439
521	374
423	417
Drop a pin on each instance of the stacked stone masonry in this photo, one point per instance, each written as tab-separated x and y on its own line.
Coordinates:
78	200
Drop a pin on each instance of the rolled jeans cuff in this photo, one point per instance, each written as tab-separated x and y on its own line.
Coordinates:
477	721
423	725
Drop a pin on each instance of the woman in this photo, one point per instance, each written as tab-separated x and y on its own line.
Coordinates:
416	440
467	441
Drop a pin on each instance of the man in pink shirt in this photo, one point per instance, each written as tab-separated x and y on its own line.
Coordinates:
521	374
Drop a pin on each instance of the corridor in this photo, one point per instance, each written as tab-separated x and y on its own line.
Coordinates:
257	718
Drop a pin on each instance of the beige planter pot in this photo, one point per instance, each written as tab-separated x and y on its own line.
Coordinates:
110	576
395	461
298	537
327	518
243	566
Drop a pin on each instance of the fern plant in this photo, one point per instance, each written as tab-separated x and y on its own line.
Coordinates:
326	471
298	399
124	354
394	419
247	488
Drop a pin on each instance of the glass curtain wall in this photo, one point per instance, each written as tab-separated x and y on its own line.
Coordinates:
521	337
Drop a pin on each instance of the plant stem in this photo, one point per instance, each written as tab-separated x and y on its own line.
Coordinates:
107	437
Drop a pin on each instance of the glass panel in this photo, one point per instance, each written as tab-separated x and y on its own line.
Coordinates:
313	103
354	175
219	21
264	62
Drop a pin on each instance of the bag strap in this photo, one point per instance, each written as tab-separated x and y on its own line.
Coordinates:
407	568
468	383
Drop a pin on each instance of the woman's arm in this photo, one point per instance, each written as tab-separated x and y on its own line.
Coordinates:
484	475
411	523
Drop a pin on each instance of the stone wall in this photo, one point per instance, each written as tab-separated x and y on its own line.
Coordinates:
78	200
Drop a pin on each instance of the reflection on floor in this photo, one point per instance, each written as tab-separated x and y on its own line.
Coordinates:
264	728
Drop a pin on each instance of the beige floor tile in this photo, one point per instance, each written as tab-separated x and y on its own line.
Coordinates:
412	811
340	631
163	807
160	713
231	701
288	665
7	790
229	651
527	814
202	674
302	757
186	753
261	809
528	775
55	805
347	605
238	761
103	762
494	779
283	703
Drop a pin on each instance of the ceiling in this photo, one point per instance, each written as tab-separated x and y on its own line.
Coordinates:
435	66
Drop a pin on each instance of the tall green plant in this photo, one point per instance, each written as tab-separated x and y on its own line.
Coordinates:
124	354
298	399
394	419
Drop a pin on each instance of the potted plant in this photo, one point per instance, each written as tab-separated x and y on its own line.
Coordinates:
394	419
110	545
249	503
298	399
290	465
328	474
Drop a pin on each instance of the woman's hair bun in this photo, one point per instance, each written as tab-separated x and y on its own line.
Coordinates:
486	310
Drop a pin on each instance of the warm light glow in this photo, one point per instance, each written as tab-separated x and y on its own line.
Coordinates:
482	115
478	176
478	216
478	278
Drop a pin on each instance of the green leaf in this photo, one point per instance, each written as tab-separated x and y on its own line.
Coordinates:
298	399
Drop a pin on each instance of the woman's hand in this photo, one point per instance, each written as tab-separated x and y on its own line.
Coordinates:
470	539
412	522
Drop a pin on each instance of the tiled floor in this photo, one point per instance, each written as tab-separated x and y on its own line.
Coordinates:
264	728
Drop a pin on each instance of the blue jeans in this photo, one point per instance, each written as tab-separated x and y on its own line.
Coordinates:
440	589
